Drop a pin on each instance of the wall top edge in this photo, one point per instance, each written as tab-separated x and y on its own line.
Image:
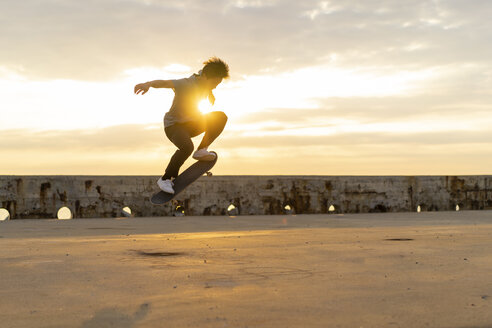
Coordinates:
242	176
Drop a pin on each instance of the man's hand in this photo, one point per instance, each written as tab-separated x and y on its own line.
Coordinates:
142	88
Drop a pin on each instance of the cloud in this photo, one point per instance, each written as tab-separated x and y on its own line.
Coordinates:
128	137
143	149
402	113
96	40
398	85
71	104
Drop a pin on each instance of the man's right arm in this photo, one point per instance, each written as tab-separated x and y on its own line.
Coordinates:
142	88
161	84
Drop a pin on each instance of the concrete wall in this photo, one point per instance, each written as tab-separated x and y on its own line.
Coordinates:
105	196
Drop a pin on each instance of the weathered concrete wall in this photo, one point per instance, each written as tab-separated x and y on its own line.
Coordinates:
105	196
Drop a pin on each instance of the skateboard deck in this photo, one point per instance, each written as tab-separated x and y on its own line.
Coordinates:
183	180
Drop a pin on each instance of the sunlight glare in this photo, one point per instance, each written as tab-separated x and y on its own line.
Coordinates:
303	88
64	213
205	106
4	214
126	211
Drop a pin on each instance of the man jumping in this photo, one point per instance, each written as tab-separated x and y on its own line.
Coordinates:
184	120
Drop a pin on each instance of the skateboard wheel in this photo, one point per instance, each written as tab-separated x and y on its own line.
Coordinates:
209	174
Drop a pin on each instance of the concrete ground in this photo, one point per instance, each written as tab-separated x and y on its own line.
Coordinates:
363	270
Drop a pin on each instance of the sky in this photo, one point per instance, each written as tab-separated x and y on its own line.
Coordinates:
367	87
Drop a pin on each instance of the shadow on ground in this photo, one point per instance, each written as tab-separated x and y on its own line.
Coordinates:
111	317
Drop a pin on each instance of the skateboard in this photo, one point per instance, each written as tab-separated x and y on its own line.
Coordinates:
183	180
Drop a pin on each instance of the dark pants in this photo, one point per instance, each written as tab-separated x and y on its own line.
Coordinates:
180	134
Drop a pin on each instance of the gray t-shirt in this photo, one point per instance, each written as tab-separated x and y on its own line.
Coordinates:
187	95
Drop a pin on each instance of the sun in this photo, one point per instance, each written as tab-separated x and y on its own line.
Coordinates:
204	106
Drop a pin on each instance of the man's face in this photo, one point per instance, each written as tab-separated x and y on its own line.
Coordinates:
212	83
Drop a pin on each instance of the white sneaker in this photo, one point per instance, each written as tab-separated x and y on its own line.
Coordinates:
166	185
204	155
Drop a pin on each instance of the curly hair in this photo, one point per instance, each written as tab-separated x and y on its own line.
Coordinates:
216	67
